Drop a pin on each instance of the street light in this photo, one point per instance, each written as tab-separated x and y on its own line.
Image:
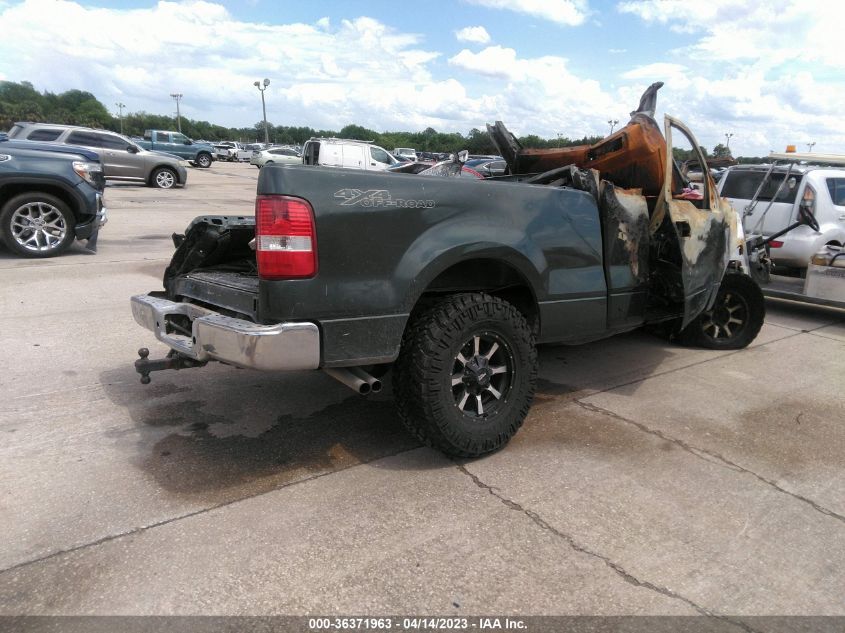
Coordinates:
612	123
120	105
559	136
810	146
178	96
257	84
728	136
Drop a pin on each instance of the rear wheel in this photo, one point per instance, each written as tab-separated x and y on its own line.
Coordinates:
163	178
735	319
466	374
36	225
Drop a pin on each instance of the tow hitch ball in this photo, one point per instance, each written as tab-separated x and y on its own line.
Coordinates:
173	360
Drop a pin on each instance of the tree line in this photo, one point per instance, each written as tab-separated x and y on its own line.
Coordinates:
20	101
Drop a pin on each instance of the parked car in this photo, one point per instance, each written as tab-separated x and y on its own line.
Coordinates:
281	155
488	167
405	153
453	281
50	194
226	150
821	189
122	158
232	151
346	153
442	168
200	154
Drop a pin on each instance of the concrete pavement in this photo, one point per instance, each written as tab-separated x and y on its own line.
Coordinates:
648	479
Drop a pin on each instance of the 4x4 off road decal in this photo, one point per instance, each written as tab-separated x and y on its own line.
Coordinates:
378	198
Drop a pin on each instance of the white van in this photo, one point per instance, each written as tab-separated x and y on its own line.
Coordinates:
350	154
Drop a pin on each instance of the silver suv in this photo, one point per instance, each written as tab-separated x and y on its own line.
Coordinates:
122	159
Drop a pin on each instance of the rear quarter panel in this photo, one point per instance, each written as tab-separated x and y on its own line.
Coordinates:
383	237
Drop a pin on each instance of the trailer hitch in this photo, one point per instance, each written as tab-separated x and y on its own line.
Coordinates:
173	360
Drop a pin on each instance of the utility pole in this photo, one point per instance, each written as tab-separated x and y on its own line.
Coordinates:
178	96
258	84
810	146
728	136
120	105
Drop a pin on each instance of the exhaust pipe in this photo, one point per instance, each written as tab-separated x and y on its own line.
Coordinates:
375	383
355	378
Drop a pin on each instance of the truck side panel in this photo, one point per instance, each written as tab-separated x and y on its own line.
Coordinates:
383	238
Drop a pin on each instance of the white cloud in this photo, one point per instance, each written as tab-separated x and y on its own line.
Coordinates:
660	71
772	73
541	95
474	34
324	75
213	59
566	12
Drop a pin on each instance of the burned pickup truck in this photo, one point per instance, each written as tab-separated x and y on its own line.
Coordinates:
452	282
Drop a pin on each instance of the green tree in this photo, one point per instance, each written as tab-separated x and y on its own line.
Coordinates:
721	151
358	132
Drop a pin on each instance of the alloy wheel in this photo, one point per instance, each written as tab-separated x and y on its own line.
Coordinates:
482	374
38	227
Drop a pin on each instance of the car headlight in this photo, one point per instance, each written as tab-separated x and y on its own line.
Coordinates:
86	170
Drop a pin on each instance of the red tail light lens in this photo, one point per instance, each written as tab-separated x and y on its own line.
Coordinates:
285	239
775	244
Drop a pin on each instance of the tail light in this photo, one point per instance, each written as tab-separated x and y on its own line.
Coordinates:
286	241
775	244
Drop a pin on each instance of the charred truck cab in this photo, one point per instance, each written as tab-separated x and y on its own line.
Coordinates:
452	282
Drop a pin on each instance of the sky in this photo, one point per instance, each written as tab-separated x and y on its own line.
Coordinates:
769	73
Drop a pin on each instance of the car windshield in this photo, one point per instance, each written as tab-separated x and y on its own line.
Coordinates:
742	184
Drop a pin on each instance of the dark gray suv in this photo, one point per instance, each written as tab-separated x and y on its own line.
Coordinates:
49	195
123	160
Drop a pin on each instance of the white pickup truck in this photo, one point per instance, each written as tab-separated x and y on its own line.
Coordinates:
232	151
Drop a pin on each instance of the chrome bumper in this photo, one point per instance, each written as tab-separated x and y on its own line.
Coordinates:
283	346
102	211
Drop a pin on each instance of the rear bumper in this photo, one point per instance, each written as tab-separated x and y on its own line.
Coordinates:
279	347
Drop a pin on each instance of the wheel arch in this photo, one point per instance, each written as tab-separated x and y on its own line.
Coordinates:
12	189
164	166
507	275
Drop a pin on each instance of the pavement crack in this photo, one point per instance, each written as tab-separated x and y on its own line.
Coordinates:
711	457
582	549
188	515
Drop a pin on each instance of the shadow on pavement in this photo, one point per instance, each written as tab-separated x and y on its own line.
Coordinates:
220	432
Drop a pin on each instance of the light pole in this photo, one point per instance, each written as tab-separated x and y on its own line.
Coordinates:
261	89
728	136
120	105
612	123
559	136
178	96
810	146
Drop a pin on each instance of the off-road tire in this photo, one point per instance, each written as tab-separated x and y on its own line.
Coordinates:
58	218
734	321
163	178
428	399
203	160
